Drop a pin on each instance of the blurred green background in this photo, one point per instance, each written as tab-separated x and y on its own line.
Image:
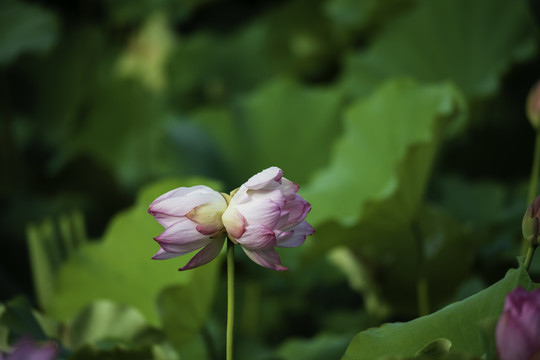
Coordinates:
402	121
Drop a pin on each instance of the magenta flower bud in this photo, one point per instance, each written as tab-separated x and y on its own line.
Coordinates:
27	349
192	220
533	106
530	223
264	213
518	328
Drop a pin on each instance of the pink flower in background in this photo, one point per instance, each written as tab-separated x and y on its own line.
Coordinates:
192	220
264	213
518	329
27	349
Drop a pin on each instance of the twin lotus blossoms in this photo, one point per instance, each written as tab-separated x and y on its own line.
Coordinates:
518	328
264	213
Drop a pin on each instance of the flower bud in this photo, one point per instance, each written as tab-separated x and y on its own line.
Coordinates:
530	223
533	106
266	212
192	220
518	329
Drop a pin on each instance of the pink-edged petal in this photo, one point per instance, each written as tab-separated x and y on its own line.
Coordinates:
297	209
294	237
233	222
269	258
180	201
263	207
163	255
185	248
257	237
207	254
289	187
181	233
166	220
267	179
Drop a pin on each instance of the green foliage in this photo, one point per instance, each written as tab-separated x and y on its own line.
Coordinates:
25	28
299	117
457	322
408	128
324	346
468	42
401	120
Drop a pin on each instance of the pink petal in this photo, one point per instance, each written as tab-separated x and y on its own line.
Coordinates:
163	255
512	340
166	220
267	179
180	201
296	211
268	258
207	254
257	237
288	187
295	237
182	232
185	248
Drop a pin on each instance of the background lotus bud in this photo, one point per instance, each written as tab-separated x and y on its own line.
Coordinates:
267	212
192	220
27	349
518	328
530	223
533	106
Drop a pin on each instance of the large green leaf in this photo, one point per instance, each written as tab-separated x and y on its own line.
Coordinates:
120	268
398	121
103	320
469	42
457	322
25	28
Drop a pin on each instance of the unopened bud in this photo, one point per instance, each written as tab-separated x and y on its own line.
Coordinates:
533	106
530	225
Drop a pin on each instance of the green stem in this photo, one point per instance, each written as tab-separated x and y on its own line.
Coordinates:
528	258
422	291
533	183
230	298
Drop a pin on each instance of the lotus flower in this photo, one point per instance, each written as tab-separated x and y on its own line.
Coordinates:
27	349
192	220
264	213
518	328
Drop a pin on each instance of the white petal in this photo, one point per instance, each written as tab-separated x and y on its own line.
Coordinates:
267	179
180	201
263	207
